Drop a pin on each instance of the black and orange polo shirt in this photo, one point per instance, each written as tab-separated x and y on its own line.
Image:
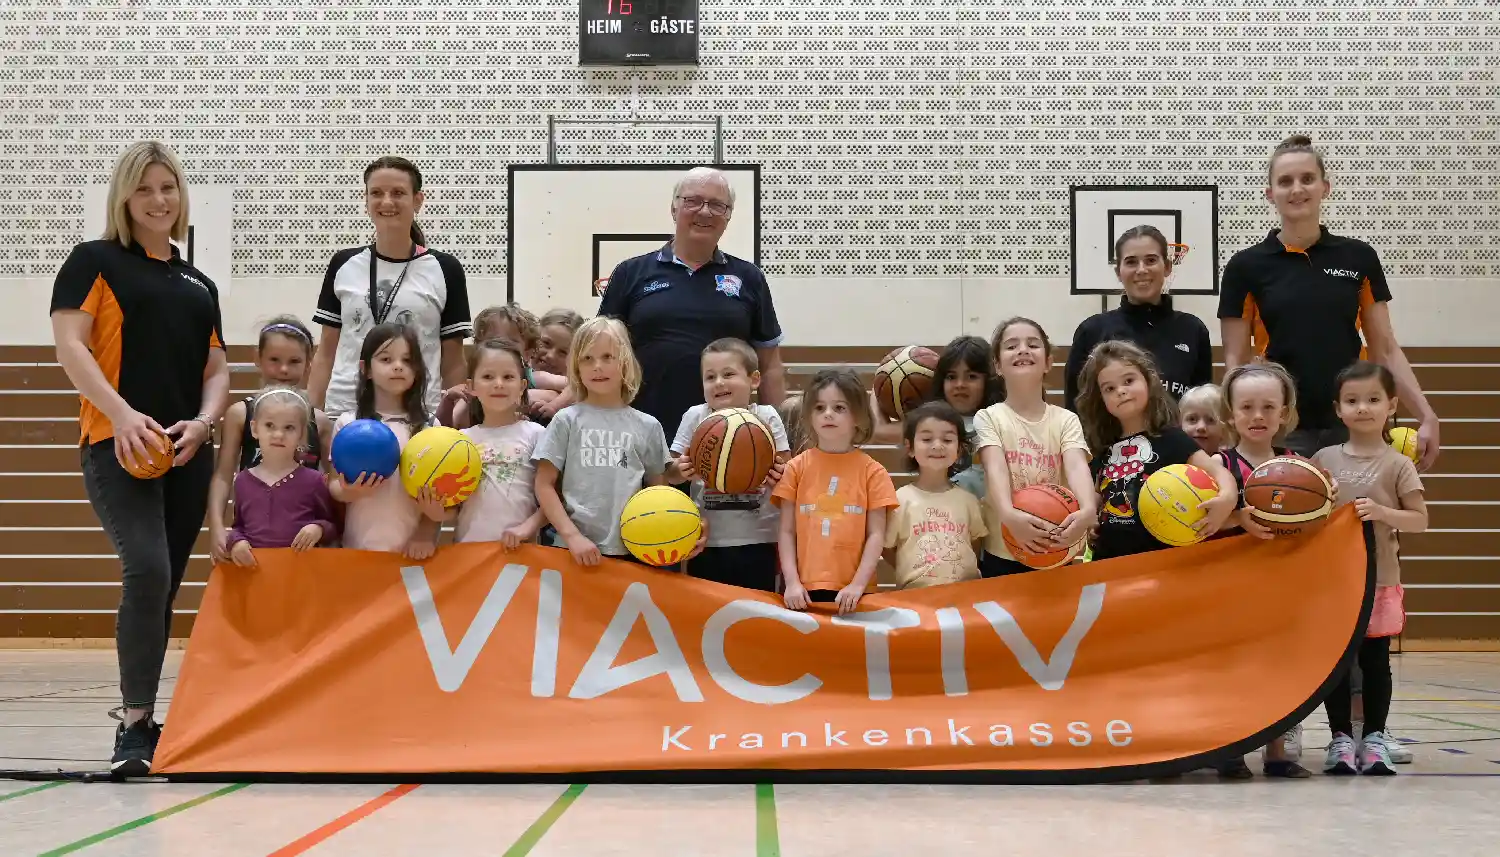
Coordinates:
1305	307
154	323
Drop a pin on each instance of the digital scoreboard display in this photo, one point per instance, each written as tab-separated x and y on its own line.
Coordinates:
637	32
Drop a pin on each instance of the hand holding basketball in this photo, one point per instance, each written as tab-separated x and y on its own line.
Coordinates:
431	503
1031	532
685	467
1246	519
1427	444
1073	529
191	435
1217	510
778	469
360	488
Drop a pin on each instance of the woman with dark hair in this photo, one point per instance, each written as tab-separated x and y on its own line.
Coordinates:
1178	340
395	279
1314	302
138	332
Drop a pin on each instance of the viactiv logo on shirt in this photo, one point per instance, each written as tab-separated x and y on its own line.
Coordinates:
654	286
1342	272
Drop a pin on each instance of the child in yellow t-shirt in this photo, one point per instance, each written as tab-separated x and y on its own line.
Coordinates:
931	538
833	499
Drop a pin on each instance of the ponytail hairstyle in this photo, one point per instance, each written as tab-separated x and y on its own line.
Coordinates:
414	402
281	394
476	356
1145	230
396	162
1297	144
1269	369
942	412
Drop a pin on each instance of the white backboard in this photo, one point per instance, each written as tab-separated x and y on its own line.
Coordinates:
1187	214
570	224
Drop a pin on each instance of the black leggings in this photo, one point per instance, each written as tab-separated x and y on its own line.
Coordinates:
152	524
1375	666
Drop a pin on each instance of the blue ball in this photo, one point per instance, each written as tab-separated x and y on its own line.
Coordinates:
365	446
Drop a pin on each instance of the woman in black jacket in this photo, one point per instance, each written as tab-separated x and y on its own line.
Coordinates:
1178	340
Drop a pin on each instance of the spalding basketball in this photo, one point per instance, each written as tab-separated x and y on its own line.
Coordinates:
1290	495
732	451
1168	503
365	446
1051	503
1404	441
154	462
660	525
444	459
904	379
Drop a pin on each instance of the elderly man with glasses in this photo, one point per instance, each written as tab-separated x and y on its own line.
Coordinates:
678	299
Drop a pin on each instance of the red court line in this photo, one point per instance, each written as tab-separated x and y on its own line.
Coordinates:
348	819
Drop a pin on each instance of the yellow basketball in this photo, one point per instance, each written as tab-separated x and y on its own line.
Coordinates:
660	525
443	458
1404	441
1168	504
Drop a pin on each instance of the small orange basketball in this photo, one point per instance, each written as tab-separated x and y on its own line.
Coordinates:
732	451
154	462
1051	503
1290	495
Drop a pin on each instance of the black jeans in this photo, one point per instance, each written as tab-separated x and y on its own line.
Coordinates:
152	524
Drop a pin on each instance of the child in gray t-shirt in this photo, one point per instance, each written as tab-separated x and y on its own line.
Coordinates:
598	453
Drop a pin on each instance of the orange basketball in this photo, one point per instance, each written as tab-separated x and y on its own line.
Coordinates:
904	379
153	463
1051	503
1290	495
732	451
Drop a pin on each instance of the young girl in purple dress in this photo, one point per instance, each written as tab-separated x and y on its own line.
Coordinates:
279	503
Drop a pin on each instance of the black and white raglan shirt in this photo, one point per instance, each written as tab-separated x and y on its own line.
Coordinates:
427	292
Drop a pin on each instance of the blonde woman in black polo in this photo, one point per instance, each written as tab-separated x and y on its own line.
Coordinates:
138	332
1314	302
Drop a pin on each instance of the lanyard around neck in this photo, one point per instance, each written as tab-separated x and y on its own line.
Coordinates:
378	309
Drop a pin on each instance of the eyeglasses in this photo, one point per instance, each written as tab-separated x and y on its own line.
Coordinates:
694	203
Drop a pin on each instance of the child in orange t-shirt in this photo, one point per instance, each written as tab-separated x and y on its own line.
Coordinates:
833	499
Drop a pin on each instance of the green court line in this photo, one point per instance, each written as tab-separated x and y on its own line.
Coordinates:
767	836
539	828
1453	722
33	790
141	822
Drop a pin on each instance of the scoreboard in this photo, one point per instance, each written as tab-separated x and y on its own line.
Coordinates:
637	32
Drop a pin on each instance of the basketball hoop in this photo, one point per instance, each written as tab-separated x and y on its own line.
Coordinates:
1175	254
600	285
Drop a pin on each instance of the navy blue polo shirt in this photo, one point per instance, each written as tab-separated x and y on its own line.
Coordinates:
1305	308
673	312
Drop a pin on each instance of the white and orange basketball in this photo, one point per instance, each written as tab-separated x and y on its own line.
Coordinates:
732	451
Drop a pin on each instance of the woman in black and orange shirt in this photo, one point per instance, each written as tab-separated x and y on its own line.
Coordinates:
138	332
1314	302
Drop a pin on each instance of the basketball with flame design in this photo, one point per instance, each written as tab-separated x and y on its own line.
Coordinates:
444	459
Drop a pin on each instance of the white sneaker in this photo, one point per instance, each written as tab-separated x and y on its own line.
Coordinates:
1400	754
1340	759
1292	740
1374	758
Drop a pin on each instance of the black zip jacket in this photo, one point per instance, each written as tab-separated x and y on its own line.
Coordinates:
1178	340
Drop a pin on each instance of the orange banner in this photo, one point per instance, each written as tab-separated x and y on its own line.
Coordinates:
486	662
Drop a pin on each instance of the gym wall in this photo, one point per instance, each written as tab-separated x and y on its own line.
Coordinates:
916	155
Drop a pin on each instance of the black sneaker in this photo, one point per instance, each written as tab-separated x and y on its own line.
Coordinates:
134	747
